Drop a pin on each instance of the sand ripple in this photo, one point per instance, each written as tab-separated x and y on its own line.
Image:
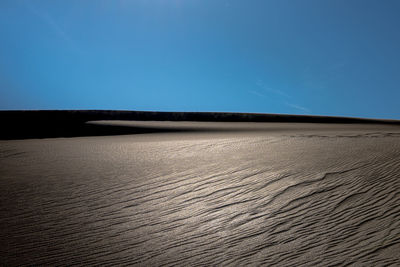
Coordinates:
282	200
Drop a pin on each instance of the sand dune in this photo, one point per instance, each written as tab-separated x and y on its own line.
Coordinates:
199	193
74	123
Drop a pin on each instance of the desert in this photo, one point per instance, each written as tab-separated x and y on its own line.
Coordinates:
204	193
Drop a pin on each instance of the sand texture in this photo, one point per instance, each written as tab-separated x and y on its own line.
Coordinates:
195	194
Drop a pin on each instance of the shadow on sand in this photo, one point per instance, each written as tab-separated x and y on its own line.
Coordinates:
74	123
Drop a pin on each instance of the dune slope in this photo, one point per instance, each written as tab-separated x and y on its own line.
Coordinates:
280	194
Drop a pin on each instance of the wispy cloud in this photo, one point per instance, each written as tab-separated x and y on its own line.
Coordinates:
284	97
268	89
46	18
303	109
256	93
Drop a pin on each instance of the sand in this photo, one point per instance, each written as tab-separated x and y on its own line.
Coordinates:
198	193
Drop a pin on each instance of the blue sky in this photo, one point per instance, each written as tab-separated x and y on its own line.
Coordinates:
325	57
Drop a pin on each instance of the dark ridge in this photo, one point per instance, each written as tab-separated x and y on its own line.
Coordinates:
71	123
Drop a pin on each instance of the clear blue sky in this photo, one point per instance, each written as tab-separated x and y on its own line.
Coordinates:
326	57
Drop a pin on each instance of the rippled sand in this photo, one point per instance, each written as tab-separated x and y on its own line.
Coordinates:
281	194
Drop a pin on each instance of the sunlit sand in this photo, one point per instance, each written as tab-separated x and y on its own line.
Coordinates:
209	194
